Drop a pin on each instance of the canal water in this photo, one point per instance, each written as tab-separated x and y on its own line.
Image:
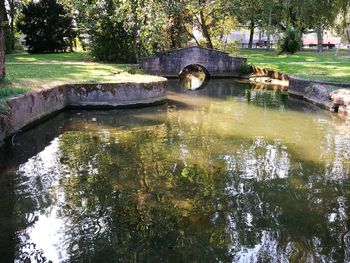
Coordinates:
228	173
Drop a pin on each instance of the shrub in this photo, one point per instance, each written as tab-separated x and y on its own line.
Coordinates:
291	41
47	26
246	69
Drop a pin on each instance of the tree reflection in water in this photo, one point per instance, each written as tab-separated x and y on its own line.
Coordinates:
186	190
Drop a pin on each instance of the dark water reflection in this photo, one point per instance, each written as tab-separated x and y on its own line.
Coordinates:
222	174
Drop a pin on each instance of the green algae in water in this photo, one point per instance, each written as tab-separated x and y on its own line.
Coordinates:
214	176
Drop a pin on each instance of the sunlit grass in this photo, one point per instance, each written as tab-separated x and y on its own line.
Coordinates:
305	64
55	57
25	72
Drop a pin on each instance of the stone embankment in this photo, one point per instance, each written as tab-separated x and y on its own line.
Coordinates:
26	109
328	95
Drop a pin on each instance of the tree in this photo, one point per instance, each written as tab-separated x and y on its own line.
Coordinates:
178	18
208	17
5	27
48	27
248	12
313	16
13	7
2	45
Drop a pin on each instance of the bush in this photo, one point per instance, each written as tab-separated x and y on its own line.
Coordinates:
291	41
48	27
246	69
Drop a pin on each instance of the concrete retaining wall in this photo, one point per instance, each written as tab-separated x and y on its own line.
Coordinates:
321	93
25	109
297	86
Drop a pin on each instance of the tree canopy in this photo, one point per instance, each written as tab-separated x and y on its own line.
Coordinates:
47	25
123	31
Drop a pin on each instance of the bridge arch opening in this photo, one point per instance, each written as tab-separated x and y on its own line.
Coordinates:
194	76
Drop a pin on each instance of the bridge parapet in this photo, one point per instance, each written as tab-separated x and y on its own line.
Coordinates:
171	63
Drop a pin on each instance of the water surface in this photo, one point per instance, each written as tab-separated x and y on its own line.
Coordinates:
228	173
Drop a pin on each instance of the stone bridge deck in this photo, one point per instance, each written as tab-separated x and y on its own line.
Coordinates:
170	63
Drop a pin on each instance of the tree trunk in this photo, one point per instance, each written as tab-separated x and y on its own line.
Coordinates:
3	12
2	49
175	31
205	30
12	14
135	30
191	35
4	23
347	32
251	35
319	39
268	40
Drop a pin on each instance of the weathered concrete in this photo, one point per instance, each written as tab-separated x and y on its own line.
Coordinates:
328	95
25	109
297	86
319	95
116	95
171	63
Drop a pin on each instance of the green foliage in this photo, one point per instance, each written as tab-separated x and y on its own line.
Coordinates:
291	42
8	39
246	69
48	27
6	92
229	46
9	91
111	41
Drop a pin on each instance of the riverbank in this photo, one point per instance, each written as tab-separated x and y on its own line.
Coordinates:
304	64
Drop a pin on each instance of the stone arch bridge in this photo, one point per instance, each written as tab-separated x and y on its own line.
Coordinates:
214	62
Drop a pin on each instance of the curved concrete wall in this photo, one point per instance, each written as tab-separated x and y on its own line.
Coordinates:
327	95
25	109
297	86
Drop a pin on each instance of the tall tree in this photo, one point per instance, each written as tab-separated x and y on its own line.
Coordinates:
177	22
2	43
208	16
48	27
13	7
248	13
313	15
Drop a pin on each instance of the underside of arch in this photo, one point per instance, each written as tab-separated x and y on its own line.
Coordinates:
194	76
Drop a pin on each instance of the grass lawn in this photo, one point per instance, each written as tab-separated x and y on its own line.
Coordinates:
25	72
305	64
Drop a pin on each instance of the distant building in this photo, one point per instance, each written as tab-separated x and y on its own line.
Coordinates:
329	41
